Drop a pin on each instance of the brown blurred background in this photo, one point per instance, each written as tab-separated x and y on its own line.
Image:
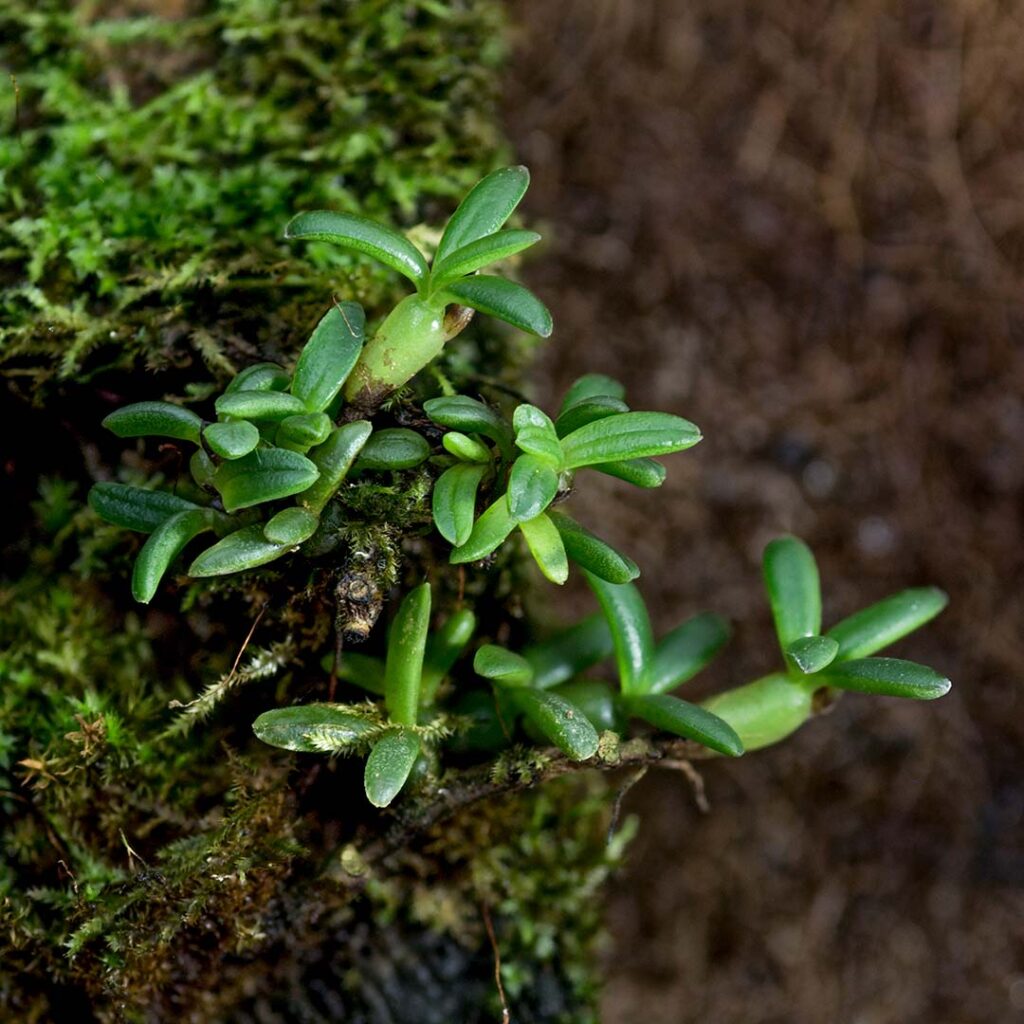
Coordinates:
802	225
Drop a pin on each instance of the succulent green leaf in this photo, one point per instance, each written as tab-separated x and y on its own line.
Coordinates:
545	544
292	728
488	532
403	669
260	377
683	652
135	508
595	698
682	718
570	651
303	431
360	669
630	627
592	385
266	474
764	711
589	410
454	501
443	649
504	299
155	419
562	723
474	255
794	591
231	440
888	677
381	243
502	666
163	546
532	486
392	449
389	765
460	412
329	355
638	472
811	654
258	405
464	447
291	526
884	623
244	549
535	435
333	459
592	553
202	468
484	210
629	435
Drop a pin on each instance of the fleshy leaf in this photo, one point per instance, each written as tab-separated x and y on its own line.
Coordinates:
258	405
484	210
135	508
561	722
329	356
638	472
382	243
392	449
592	385
532	486
464	447
389	765
688	720
595	698
570	652
454	501
303	431
589	410
504	299
231	440
291	526
260	377
443	649
794	591
403	669
266	474
888	677
502	666
683	652
155	419
474	255
592	553
811	654
764	711
884	623
545	544
333	459
244	549
291	728
630	627
629	435
460	412
489	531
359	669
164	545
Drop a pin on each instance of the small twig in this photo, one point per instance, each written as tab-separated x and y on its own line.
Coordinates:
506	1017
700	797
245	642
132	855
613	825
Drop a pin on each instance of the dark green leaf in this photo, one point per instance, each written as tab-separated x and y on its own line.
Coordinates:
638	472
360	669
403	670
304	431
688	720
484	210
260	377
502	666
592	385
464	447
291	526
488	533
164	545
589	410
389	765
535	435
545	544
266	474
329	355
570	652
684	651
592	553
333	459
888	677
155	419
382	243
630	435
202	468
244	549
258	405
460	412
231	440
791	578
473	256
135	508
884	623
454	501
765	711
532	486
392	449
630	627
564	724
311	728
443	649
505	300
811	654
595	698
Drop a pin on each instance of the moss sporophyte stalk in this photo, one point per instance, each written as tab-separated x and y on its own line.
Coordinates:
293	458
